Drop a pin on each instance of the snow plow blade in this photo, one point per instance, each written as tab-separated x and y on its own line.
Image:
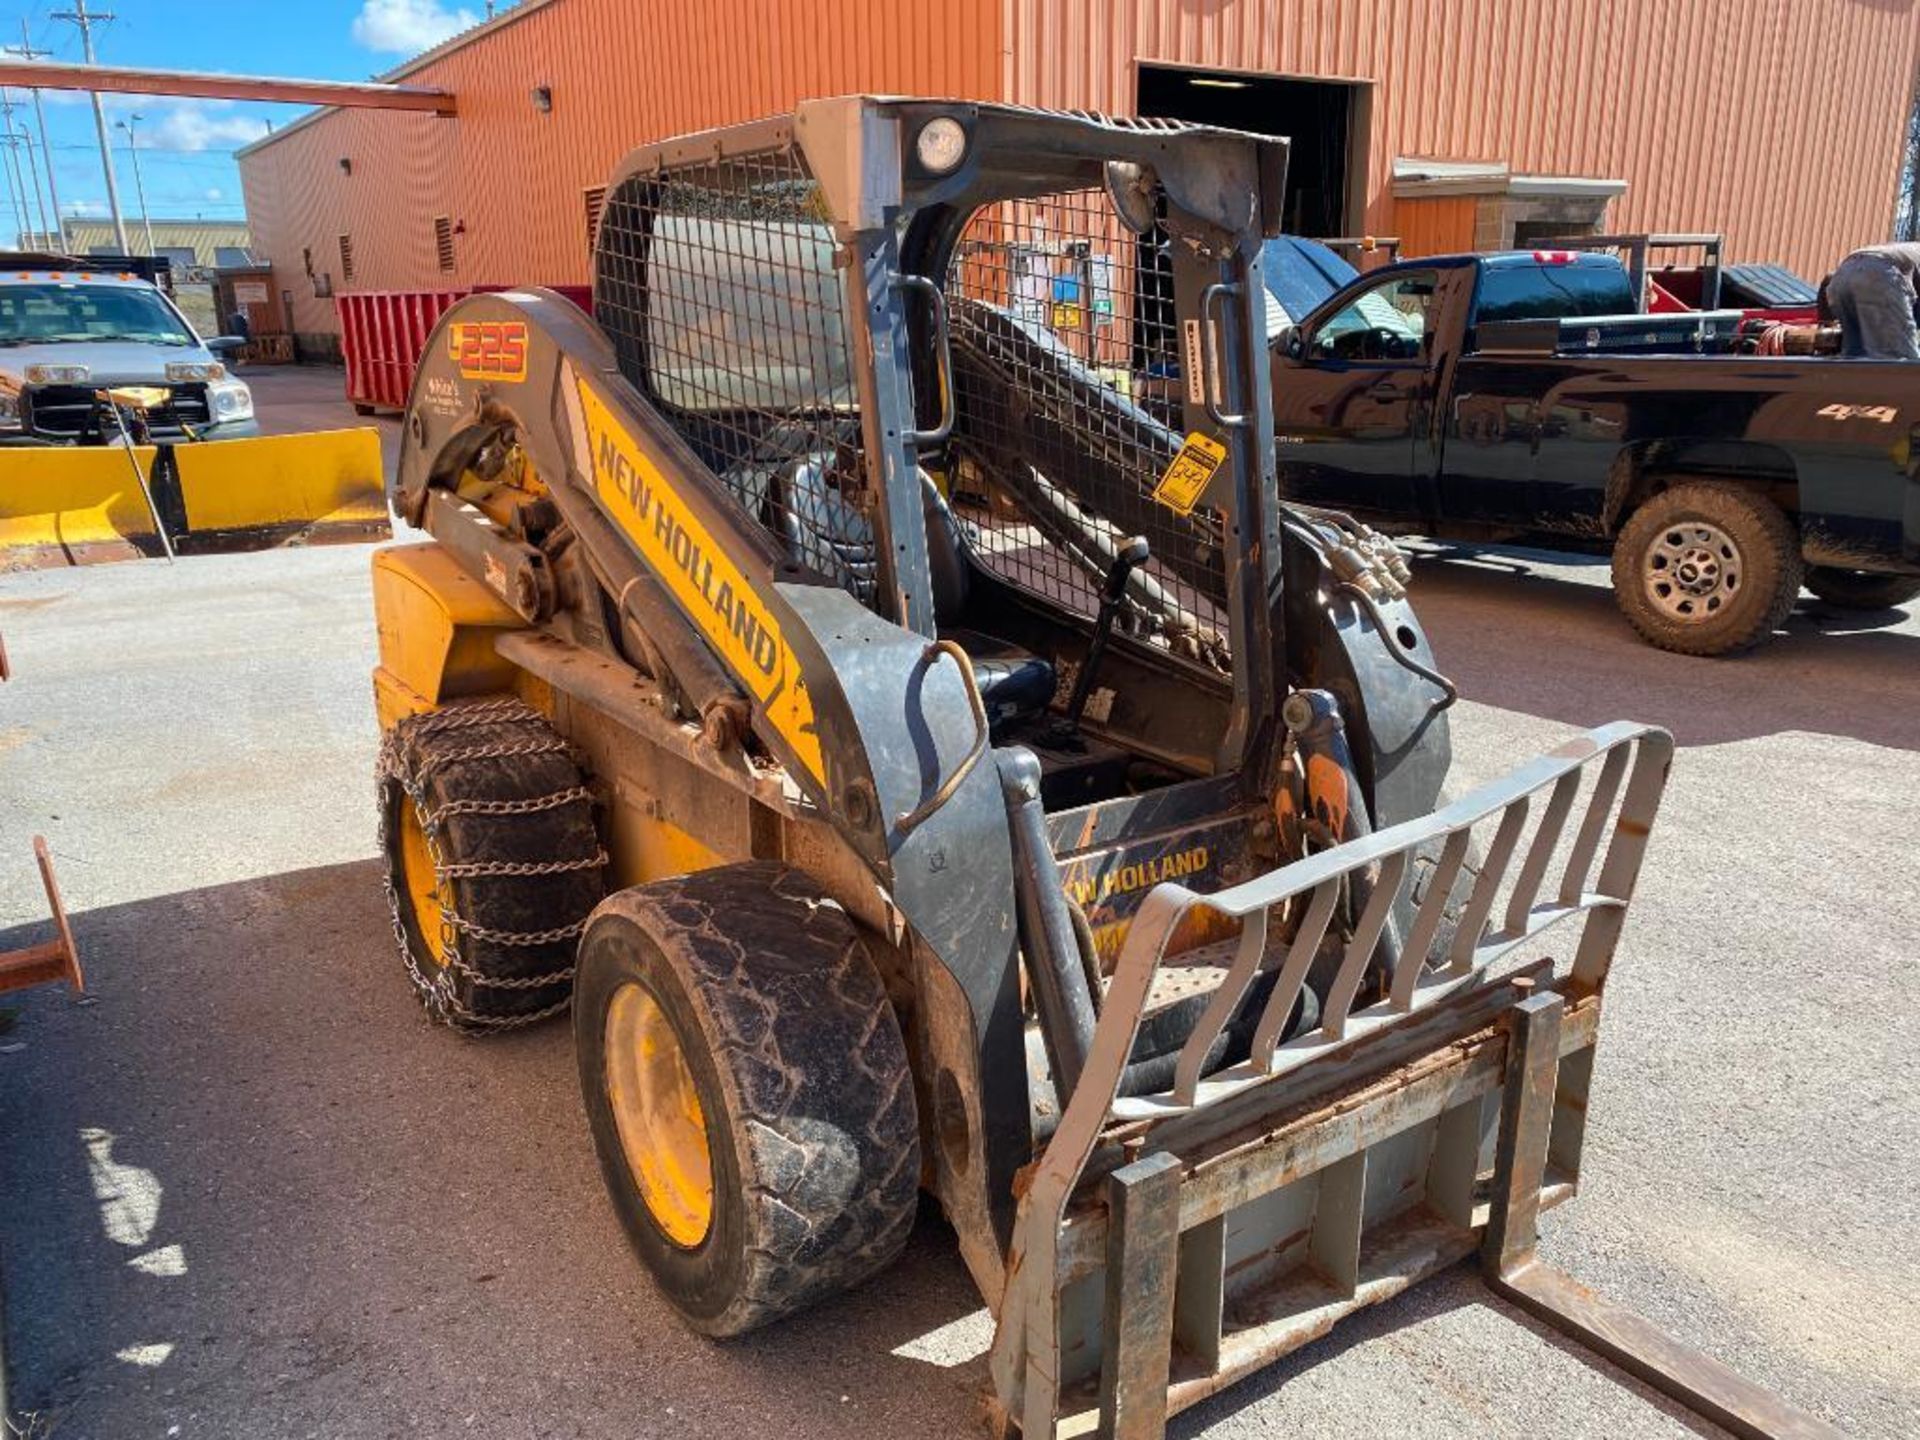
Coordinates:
95	504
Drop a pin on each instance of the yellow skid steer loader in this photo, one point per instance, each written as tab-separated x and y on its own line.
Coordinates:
868	673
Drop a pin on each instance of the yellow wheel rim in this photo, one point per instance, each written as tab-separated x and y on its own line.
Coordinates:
424	891
663	1130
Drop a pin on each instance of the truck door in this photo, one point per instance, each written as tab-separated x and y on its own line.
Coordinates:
1351	391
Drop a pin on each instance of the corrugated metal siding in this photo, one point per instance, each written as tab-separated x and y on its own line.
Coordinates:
1776	121
1441	225
622	73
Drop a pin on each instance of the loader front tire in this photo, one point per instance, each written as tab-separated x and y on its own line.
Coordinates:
493	862
748	1091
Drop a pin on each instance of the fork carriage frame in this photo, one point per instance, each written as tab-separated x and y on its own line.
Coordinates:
1171	1244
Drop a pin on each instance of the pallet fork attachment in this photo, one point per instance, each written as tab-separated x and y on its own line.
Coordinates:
1515	1272
51	960
1172	1243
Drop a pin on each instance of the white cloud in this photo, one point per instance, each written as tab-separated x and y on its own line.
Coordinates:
199	125
406	27
216	193
86	209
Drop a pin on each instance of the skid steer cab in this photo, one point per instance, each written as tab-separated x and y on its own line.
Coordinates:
917	744
123	434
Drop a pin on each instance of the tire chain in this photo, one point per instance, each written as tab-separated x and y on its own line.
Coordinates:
437	990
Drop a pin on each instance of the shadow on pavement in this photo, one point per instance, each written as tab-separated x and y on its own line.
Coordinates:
1829	672
249	1186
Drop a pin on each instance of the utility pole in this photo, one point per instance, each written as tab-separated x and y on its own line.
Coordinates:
27	52
20	141
139	185
16	191
79	16
13	194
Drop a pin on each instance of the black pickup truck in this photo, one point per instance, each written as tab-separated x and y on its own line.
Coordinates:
1512	397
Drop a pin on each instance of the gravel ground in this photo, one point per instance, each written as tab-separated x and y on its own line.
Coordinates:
246	1191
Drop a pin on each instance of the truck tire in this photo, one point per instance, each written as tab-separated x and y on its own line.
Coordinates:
1861	589
492	861
748	1091
1706	569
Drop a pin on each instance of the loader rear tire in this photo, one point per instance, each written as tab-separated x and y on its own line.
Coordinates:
493	862
748	1091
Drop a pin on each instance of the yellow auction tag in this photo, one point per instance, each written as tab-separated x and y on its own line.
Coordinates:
1189	474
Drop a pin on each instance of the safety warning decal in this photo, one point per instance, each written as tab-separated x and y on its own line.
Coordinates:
1190	473
701	577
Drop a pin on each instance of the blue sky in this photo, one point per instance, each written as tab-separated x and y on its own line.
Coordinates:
186	146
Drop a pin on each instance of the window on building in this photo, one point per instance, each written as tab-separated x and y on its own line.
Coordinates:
443	242
346	259
596	199
234	257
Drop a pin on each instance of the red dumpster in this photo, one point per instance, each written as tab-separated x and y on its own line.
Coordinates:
383	332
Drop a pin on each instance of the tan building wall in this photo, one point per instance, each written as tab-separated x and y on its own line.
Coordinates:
1777	121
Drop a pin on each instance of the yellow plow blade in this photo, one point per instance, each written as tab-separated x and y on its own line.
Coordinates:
84	506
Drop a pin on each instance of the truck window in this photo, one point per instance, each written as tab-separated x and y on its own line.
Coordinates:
1550	291
1386	321
62	312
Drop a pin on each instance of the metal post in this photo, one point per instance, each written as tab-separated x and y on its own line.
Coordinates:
21	138
139	184
79	16
58	234
14	191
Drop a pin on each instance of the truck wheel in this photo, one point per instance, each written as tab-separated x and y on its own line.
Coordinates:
1706	569
1860	589
748	1092
493	864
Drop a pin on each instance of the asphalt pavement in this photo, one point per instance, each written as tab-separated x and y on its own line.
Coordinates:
247	1191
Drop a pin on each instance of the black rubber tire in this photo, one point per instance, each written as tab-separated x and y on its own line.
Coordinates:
495	788
1769	554
1861	589
802	1075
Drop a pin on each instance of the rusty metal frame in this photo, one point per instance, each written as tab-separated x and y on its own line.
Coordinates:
51	960
1429	1010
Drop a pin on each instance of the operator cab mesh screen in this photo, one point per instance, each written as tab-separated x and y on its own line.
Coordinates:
1068	389
716	284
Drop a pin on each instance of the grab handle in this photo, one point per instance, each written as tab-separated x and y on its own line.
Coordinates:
913	819
1211	356
943	351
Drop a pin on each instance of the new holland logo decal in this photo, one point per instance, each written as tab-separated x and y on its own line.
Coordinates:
702	578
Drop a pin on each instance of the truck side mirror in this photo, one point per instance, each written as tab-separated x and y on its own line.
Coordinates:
226	344
1295	345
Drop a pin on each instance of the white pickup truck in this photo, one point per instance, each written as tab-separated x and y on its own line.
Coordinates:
69	333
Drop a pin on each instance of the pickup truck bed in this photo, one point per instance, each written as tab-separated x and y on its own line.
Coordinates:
1423	398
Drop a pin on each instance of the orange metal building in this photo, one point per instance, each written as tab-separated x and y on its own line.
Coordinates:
1453	122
